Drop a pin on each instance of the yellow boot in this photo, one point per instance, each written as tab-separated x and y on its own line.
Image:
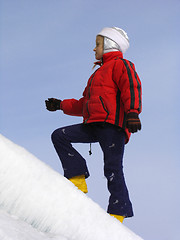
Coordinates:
80	183
118	217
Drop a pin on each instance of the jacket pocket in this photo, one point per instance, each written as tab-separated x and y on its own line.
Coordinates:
104	107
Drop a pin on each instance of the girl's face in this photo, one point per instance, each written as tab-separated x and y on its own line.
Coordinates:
99	47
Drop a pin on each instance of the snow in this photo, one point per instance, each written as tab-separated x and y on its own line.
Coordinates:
11	228
36	202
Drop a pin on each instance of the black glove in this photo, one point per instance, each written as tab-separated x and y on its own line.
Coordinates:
133	122
53	104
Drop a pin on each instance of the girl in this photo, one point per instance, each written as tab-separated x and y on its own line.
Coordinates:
110	106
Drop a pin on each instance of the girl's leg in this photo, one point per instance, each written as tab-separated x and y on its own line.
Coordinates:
73	163
112	142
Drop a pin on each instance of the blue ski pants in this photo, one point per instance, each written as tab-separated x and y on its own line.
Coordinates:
111	140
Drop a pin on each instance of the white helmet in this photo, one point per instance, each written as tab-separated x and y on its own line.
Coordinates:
115	39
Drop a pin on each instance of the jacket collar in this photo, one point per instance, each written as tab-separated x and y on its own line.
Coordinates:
109	56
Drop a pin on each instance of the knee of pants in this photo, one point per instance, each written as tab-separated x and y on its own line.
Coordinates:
57	135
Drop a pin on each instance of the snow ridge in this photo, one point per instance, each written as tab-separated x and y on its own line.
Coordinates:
41	197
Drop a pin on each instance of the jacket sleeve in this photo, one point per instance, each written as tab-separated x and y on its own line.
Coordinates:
73	106
129	85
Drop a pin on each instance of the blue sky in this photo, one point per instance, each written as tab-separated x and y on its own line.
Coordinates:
47	51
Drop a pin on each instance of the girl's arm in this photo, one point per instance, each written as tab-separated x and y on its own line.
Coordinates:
129	84
73	106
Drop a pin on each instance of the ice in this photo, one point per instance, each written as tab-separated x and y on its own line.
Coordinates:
34	197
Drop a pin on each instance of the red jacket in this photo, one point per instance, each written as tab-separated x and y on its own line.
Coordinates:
112	91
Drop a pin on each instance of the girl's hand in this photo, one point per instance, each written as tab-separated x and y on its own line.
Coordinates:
133	122
53	104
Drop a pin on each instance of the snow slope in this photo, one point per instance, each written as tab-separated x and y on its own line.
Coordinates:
36	200
12	228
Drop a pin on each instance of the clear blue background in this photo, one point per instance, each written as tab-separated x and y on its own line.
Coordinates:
46	50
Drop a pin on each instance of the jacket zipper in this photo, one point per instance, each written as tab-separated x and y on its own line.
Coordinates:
106	110
89	96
